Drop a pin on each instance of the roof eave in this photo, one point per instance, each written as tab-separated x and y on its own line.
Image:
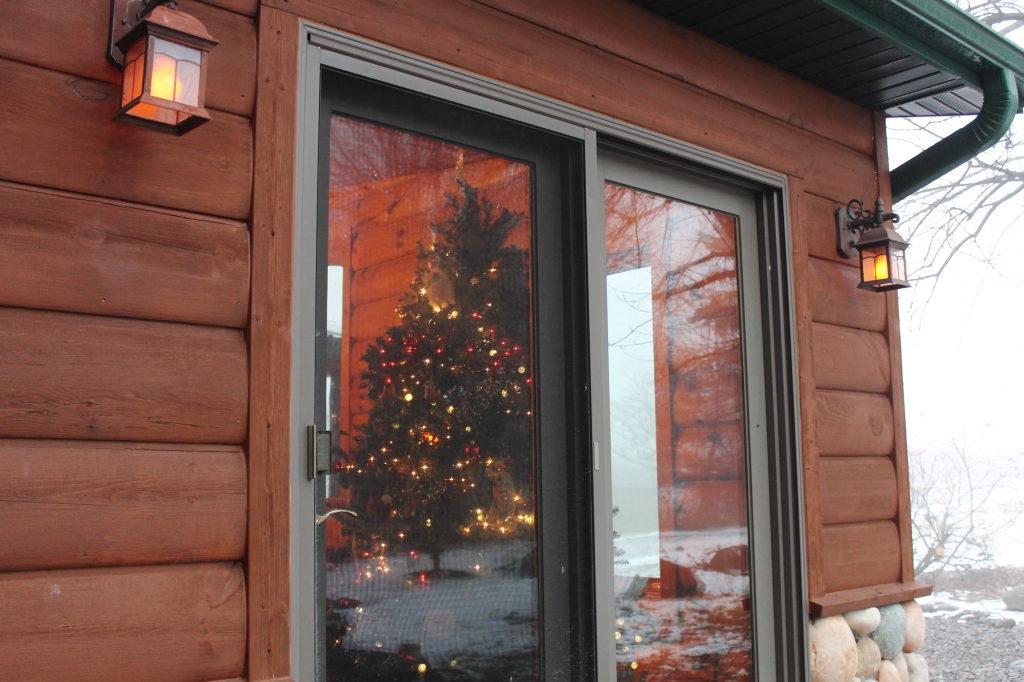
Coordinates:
915	26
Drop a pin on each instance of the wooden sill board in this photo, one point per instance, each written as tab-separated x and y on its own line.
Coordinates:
866	597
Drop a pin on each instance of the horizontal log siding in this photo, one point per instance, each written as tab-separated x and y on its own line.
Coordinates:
144	624
103	378
123	361
858	489
83	254
860	555
862	483
613	57
56	131
71	504
74	41
531	52
680	53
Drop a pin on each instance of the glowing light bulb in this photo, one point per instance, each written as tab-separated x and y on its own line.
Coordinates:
634	665
881	267
162	81
408	397
422	667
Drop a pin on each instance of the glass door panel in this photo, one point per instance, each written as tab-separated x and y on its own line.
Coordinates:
444	530
429	384
678	453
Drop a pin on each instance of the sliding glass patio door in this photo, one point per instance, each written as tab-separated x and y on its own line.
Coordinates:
446	309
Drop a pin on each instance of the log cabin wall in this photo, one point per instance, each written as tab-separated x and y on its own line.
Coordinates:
145	345
124	374
614	58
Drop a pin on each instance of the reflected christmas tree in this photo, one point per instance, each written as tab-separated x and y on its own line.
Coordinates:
447	454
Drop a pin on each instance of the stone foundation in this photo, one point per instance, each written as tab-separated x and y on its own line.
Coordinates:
871	644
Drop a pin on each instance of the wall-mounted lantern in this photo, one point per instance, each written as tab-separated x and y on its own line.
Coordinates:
164	54
882	263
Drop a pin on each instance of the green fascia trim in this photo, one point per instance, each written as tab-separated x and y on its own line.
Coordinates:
939	33
992	122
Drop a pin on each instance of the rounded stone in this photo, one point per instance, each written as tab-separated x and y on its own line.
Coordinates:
864	621
901	667
890	631
869	658
833	650
1014	599
917	667
913	639
887	672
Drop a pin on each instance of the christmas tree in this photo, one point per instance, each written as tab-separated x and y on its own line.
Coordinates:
447	454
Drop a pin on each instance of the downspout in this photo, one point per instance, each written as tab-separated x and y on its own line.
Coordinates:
997	111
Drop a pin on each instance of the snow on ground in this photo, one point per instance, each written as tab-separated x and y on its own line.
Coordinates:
947	604
480	617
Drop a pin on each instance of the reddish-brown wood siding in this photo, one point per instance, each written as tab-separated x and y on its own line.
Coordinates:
127	287
94	255
124	366
119	504
581	55
73	41
862	482
104	378
146	624
269	558
57	132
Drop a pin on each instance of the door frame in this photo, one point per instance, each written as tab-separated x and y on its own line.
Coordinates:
656	174
320	48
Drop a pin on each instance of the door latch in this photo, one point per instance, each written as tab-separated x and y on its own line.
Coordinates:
318	452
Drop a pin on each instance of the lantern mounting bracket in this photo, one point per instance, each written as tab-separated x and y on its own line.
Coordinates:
124	16
853	219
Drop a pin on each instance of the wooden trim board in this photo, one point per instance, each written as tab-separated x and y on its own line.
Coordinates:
270	333
865	597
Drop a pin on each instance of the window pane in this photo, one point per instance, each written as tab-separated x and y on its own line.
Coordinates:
430	373
187	86
678	455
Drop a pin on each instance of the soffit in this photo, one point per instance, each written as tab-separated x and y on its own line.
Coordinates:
817	43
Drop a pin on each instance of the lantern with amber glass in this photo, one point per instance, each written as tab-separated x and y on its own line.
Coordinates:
165	60
883	266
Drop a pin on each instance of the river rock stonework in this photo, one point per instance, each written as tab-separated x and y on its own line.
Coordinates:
868	645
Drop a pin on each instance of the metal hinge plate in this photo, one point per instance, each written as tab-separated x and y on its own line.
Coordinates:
318	452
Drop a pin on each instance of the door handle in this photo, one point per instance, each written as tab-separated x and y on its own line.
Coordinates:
320	518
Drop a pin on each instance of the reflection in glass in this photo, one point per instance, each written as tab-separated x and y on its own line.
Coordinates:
678	455
430	369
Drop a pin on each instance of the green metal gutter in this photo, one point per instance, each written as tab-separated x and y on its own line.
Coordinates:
992	122
952	40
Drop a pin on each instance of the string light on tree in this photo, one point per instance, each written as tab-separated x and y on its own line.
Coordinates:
450	392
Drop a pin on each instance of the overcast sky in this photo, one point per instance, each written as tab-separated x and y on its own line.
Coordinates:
963	354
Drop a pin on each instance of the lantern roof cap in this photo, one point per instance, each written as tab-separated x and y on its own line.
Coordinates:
880	235
178	21
169	23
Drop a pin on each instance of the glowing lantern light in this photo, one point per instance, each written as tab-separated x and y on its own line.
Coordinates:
883	266
165	62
